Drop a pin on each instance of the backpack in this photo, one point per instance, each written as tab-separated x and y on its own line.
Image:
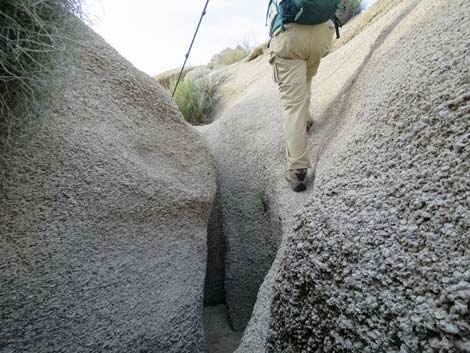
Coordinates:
306	12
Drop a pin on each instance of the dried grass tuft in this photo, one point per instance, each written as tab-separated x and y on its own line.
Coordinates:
29	40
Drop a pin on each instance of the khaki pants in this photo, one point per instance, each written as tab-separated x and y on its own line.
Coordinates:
295	58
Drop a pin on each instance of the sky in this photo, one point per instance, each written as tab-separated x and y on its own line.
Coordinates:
155	35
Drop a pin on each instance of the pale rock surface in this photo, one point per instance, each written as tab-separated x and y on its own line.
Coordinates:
220	338
377	251
380	257
103	215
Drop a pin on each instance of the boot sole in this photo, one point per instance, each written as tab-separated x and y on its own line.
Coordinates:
300	187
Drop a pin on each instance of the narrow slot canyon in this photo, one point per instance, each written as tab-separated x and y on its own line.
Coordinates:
219	335
126	229
222	335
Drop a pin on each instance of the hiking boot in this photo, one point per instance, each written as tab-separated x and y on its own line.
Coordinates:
297	179
309	126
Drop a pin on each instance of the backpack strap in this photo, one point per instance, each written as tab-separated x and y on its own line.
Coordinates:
267	12
278	13
297	16
338	25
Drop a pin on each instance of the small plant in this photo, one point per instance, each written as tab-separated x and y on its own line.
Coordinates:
189	101
195	99
263	200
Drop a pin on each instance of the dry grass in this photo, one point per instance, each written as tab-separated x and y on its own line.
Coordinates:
195	99
28	42
233	57
229	56
166	78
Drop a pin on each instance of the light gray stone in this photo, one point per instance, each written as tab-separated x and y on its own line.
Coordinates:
410	298
382	232
103	215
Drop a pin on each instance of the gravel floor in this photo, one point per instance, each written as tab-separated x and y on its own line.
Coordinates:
220	338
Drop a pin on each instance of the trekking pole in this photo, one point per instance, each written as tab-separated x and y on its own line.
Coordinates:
190	47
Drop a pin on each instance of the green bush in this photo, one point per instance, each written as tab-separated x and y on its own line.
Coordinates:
195	99
349	9
28	42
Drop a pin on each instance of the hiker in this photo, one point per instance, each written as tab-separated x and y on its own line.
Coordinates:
301	33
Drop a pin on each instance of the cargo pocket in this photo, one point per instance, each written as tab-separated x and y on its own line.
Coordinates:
275	75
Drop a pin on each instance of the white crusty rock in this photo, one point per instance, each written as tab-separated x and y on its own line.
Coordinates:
385	240
380	245
103	215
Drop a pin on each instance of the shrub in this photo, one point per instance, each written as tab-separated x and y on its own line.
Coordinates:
166	78
233	57
28	41
230	56
349	9
195	99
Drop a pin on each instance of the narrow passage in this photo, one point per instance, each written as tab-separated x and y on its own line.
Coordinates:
220	338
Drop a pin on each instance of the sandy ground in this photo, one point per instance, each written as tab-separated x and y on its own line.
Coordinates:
220	338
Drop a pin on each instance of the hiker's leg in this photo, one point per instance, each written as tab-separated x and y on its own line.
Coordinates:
290	76
290	50
309	98
320	39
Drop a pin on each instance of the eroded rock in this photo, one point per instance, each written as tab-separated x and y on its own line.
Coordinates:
103	215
